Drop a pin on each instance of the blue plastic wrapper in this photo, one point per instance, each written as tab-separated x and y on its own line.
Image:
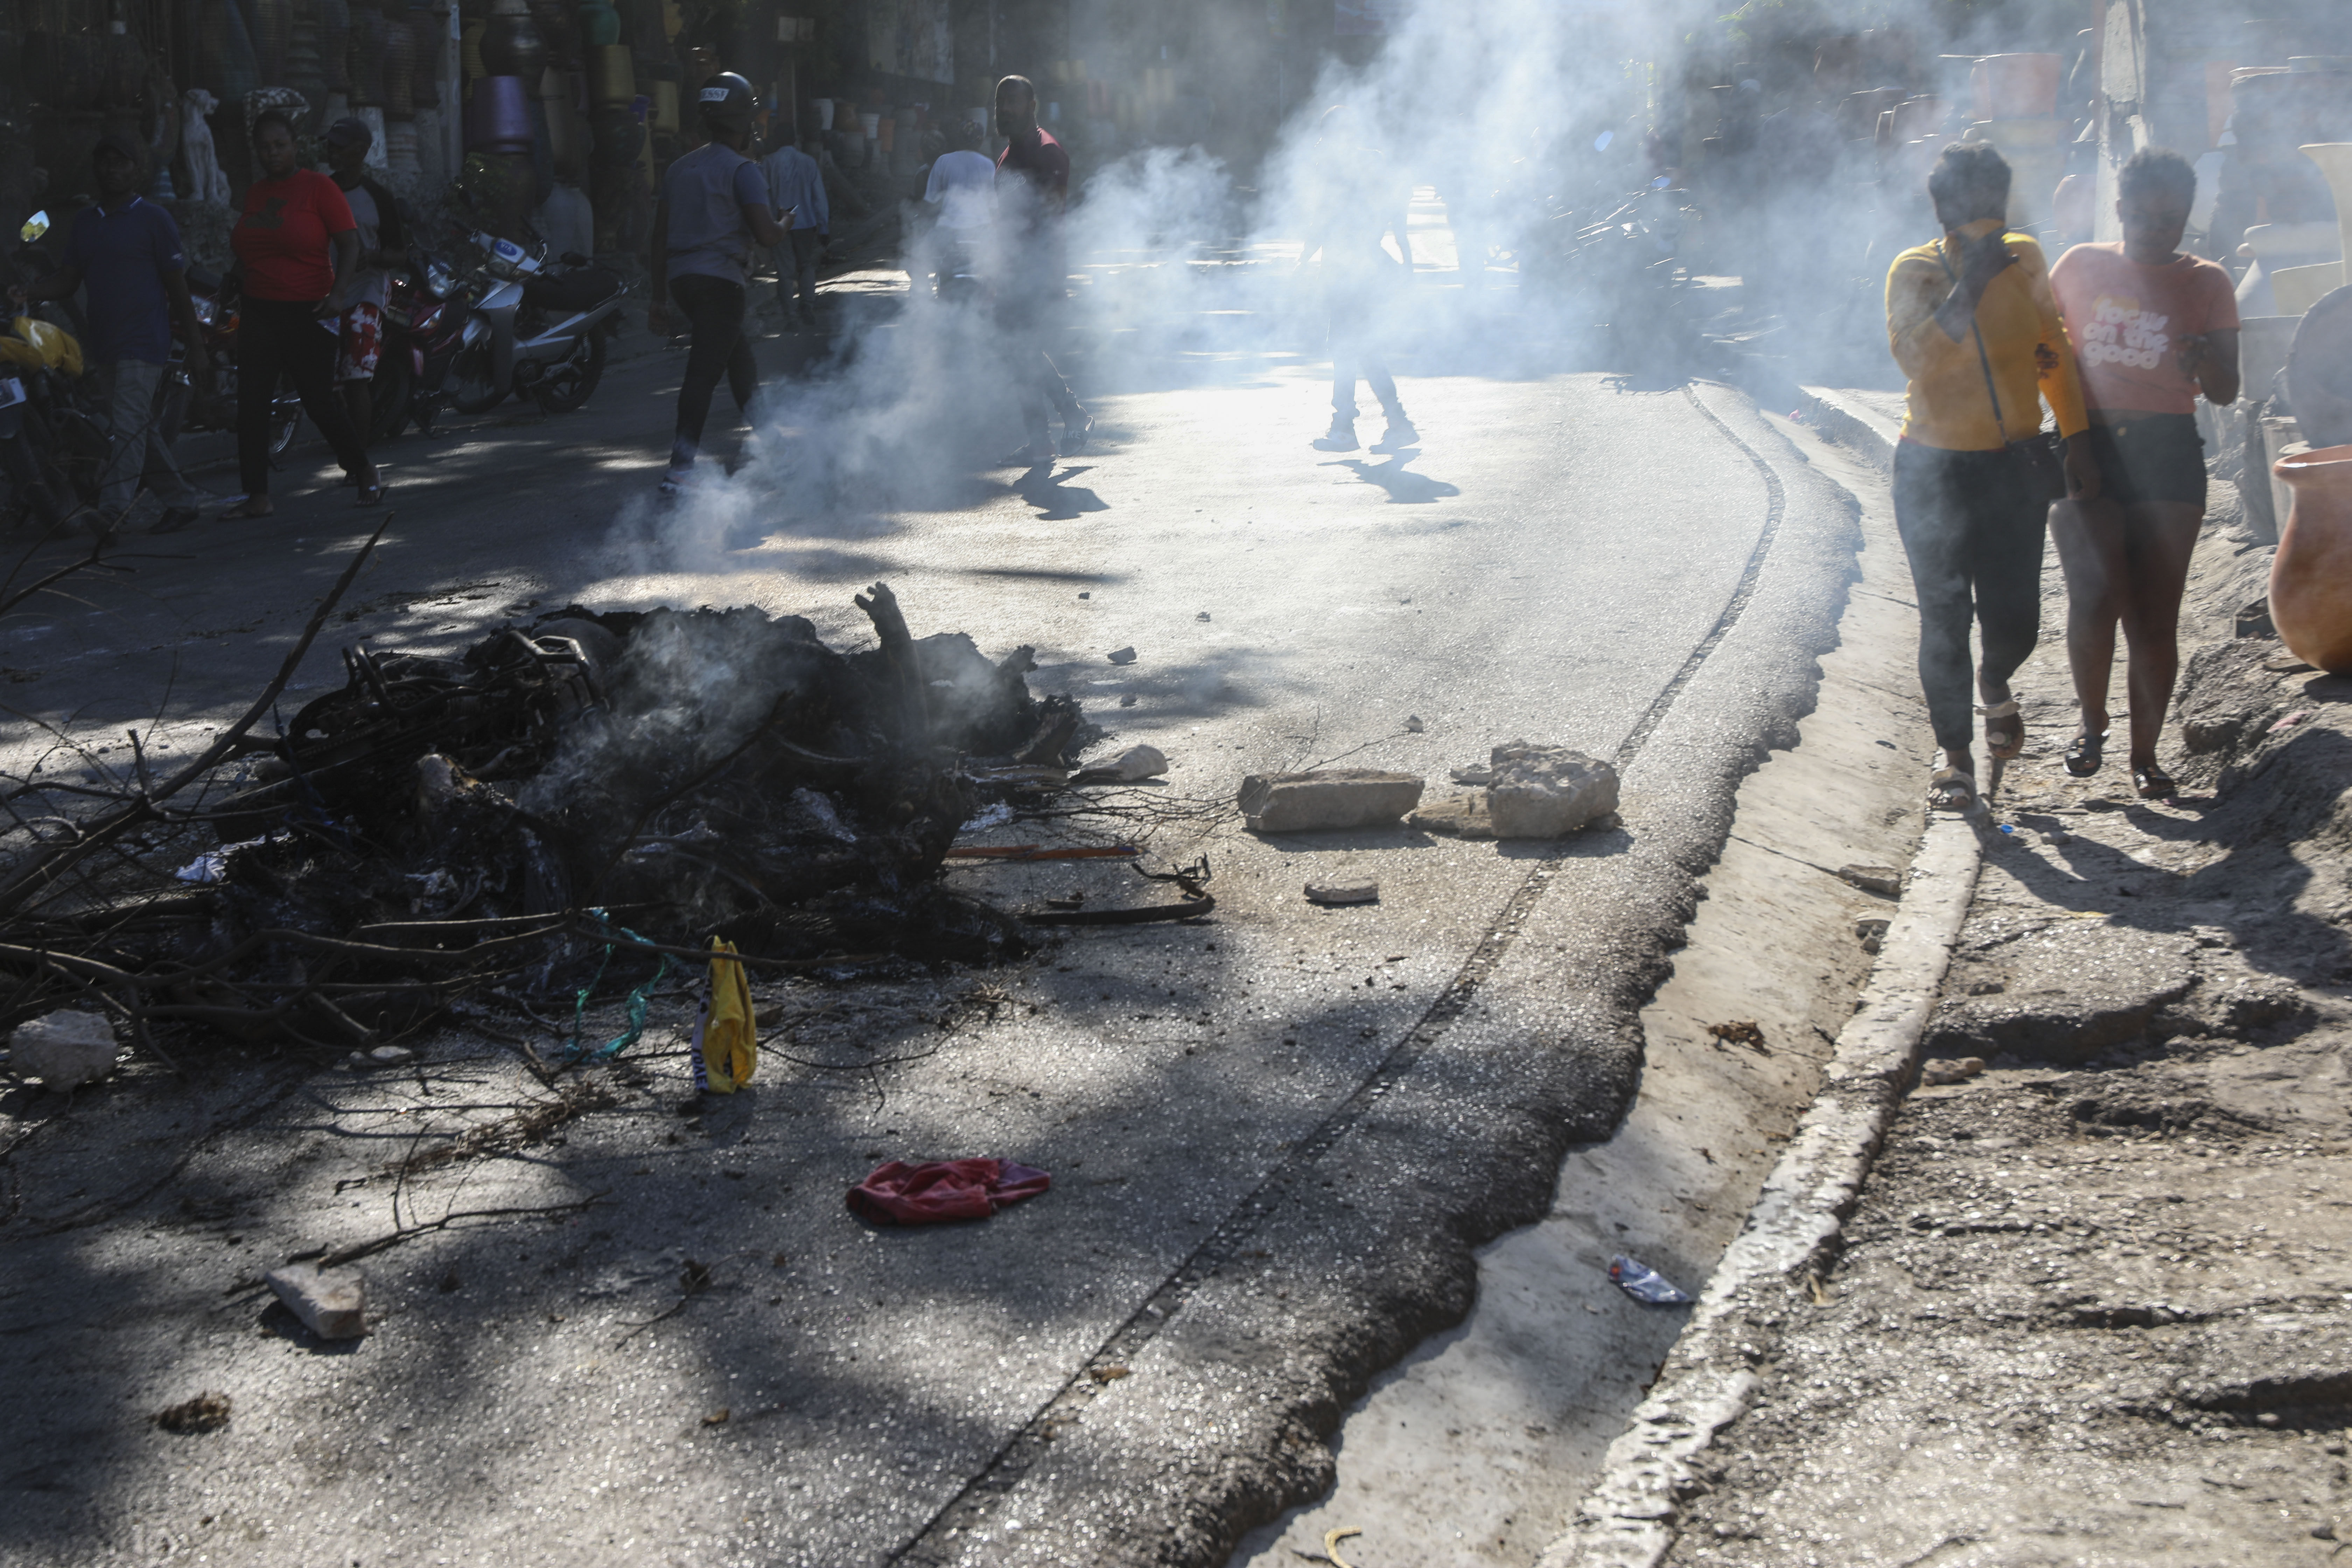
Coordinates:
1642	1282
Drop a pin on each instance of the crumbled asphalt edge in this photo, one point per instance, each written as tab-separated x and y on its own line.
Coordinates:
1454	1138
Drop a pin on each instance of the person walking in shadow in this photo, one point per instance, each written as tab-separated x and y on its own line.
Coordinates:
298	254
1032	187
713	210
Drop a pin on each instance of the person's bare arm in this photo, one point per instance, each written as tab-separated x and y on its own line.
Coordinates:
346	249
175	290
2210	359
657	284
764	227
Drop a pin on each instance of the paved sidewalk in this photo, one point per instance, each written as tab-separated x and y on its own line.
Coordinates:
2093	1305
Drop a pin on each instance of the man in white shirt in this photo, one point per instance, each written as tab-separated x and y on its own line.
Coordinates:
963	196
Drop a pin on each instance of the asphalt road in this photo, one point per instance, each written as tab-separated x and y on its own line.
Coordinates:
1276	1136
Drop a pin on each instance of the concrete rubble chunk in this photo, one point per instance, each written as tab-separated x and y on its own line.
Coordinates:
1141	762
63	1051
332	1302
1327	798
1548	792
1122	656
1461	816
1883	881
1343	892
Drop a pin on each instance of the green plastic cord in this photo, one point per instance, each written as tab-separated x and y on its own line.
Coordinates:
639	999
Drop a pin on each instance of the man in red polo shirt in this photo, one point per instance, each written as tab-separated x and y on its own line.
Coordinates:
1033	184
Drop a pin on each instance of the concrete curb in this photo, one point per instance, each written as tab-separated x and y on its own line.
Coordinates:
1849	424
1628	1519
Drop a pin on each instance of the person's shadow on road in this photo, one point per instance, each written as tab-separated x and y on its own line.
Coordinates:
1051	494
1402	484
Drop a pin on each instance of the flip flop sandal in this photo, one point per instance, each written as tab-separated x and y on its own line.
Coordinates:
1951	790
2083	752
2004	730
2153	783
370	495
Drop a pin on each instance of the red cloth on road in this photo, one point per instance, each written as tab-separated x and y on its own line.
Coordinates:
900	1194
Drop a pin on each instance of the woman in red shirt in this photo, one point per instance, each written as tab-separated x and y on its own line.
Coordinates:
2152	329
295	244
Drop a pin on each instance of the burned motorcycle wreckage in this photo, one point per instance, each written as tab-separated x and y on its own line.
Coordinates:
501	823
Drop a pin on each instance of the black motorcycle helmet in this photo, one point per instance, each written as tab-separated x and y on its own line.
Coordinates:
726	101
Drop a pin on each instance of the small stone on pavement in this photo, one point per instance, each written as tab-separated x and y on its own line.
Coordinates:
332	1302
63	1051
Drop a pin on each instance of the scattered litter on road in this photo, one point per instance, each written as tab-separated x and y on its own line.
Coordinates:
1202	617
1643	1283
64	1049
1107	1374
213	864
1820	1292
1739	1032
900	1194
1343	893
1331	1539
332	1302
2297	717
1883	881
1942	1071
996	815
716	1417
205	1413
1122	656
726	1037
1328	798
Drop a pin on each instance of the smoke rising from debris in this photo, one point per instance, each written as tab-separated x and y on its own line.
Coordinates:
1530	119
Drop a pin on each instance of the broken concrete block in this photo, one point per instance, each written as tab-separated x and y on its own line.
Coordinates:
1343	893
1461	816
332	1302
1141	762
1122	656
1883	881
1546	791
63	1051
1871	931
1946	1070
1329	797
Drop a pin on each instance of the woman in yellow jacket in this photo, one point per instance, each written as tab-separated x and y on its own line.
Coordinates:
1973	325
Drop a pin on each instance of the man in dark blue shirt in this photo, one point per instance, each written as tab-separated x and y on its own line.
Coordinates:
125	250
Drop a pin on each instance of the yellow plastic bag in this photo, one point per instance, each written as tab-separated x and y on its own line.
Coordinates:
726	1038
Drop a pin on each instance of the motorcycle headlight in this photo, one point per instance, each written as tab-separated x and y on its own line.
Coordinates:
440	282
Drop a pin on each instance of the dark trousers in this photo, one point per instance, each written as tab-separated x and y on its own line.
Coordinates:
1974	535
714	309
283	337
1353	357
796	263
1027	316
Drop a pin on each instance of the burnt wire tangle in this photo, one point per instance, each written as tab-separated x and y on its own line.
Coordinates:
556	817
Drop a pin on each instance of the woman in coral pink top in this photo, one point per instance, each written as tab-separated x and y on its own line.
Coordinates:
2152	329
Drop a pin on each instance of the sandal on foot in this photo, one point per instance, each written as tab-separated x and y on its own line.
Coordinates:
1951	790
2152	782
2083	752
370	495
245	509
2004	730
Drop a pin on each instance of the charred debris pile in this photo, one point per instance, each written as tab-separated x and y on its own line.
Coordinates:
568	802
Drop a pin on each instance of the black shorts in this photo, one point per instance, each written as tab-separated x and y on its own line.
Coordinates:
2151	457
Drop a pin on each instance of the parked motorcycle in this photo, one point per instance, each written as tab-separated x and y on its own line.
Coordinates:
535	330
424	320
52	442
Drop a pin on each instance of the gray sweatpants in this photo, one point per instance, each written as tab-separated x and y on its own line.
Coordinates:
135	450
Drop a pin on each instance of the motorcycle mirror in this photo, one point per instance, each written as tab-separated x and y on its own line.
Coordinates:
35	226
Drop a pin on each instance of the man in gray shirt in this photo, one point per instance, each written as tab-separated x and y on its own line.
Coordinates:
796	185
713	209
